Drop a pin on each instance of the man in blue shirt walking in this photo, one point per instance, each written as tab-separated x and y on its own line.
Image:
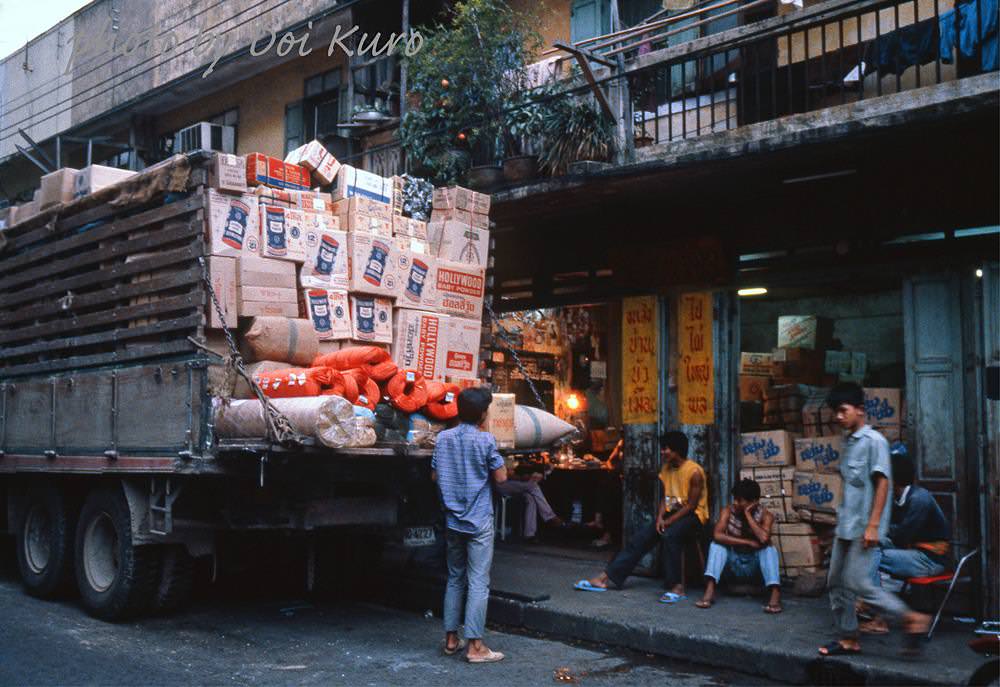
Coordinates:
465	458
862	521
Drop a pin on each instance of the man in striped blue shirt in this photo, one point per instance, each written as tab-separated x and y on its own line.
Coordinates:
465	458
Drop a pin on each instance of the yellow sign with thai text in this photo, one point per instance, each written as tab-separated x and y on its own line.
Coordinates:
695	369
640	361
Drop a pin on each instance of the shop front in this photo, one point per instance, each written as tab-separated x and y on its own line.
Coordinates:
746	288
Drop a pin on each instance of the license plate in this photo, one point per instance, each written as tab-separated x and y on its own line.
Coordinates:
418	536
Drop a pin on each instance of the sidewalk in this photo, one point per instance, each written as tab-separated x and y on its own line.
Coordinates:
534	592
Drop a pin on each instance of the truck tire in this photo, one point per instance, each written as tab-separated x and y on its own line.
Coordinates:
176	579
44	530
116	579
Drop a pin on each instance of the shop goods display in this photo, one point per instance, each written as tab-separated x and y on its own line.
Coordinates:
375	361
536	428
818	454
770	448
330	419
407	390
442	401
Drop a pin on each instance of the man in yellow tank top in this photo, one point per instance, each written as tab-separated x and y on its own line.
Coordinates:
679	517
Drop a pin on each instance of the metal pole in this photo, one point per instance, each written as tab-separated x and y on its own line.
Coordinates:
402	69
626	129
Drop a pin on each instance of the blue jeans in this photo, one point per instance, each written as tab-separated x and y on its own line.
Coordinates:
743	565
674	538
469	559
903	563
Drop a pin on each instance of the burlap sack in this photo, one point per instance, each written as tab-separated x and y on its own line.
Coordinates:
292	341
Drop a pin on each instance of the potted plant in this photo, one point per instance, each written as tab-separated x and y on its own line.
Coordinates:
373	113
523	125
574	130
469	74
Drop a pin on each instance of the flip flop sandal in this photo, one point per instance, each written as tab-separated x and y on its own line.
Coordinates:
774	610
452	652
704	604
671	598
586	586
492	657
835	648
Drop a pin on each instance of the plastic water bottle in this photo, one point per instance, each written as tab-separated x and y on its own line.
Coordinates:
577	516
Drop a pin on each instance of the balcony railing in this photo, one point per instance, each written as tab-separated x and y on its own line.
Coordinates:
784	65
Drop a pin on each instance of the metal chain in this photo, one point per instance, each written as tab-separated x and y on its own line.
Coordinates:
506	336
279	428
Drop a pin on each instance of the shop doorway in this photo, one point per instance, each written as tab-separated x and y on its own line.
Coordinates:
565	360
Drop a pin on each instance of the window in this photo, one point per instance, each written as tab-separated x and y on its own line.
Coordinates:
229	118
318	115
589	18
120	160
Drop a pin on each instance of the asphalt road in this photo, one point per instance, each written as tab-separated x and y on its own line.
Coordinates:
265	637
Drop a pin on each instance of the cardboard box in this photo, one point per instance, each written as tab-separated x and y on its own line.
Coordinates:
8	217
253	270
803	365
268	309
270	171
461	347
330	313
772	448
405	226
757	364
859	364
352	182
818	454
458	242
314	201
837	363
233	224
373	265
416	280
408	243
456	197
222	274
268	293
819	491
418	341
25	211
357	223
282	233
325	266
371	318
890	432
93	178
804	331
228	173
360	205
884	407
798	547
57	187
500	420
464	216
317	159
753	388
460	289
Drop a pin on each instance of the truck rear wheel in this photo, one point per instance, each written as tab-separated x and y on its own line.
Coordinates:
176	579
116	579
45	543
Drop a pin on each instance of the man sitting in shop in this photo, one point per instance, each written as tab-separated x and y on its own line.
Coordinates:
918	543
679	517
535	503
742	546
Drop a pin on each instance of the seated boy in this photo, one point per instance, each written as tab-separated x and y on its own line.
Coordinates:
741	546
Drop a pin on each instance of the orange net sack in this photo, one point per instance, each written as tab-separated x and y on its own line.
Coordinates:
442	401
375	361
407	391
294	382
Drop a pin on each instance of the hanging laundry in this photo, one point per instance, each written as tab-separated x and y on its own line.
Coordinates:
907	46
977	26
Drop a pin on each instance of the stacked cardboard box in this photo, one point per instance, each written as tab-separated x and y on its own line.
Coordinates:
797	366
767	449
783	407
805	331
799	550
885	412
817	417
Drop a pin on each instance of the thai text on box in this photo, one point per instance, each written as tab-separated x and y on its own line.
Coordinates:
640	358
696	373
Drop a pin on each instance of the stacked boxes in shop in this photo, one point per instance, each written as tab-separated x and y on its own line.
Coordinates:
359	269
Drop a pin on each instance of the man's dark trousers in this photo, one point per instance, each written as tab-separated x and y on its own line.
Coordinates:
674	538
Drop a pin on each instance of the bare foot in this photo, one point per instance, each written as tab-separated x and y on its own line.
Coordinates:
705	602
916	623
600	581
678	589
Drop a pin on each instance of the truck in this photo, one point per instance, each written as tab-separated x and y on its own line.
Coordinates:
112	480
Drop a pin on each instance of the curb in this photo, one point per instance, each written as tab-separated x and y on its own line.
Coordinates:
720	651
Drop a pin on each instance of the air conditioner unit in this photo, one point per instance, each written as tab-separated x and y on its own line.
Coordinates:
205	136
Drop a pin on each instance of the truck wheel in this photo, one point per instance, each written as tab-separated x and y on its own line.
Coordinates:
116	579
45	543
176	579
